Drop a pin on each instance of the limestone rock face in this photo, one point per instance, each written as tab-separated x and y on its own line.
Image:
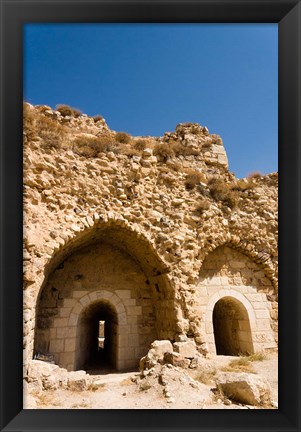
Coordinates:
39	371
48	376
186	349
160	347
176	359
245	388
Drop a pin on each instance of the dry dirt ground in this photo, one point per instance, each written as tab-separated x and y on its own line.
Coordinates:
128	391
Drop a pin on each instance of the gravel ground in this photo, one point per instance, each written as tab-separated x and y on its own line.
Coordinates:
127	391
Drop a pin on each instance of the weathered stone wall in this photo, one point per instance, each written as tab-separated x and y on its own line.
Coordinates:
104	273
229	273
140	206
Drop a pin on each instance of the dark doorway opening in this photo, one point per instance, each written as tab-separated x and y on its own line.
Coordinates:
232	331
96	347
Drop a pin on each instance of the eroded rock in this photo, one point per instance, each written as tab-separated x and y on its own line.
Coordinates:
186	349
48	376
176	359
155	354
245	388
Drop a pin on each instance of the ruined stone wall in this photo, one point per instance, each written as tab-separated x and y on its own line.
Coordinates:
229	273
142	204
96	272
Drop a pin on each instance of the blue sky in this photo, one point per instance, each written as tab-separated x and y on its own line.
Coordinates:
146	78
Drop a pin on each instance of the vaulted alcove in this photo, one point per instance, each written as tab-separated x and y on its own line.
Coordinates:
232	331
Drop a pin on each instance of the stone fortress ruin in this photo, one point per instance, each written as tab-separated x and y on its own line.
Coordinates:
153	237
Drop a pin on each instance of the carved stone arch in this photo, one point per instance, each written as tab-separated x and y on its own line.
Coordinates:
257	337
86	299
246	248
135	281
92	227
99	301
229	293
228	272
234	323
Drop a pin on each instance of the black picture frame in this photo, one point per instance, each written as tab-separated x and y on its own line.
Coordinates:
15	13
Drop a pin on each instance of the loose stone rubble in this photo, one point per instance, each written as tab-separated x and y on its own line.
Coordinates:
178	385
168	366
181	354
175	384
145	235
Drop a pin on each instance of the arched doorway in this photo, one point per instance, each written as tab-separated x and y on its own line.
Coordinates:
232	331
109	264
230	273
97	337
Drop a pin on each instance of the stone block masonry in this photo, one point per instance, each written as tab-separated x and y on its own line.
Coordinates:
228	277
134	234
96	267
